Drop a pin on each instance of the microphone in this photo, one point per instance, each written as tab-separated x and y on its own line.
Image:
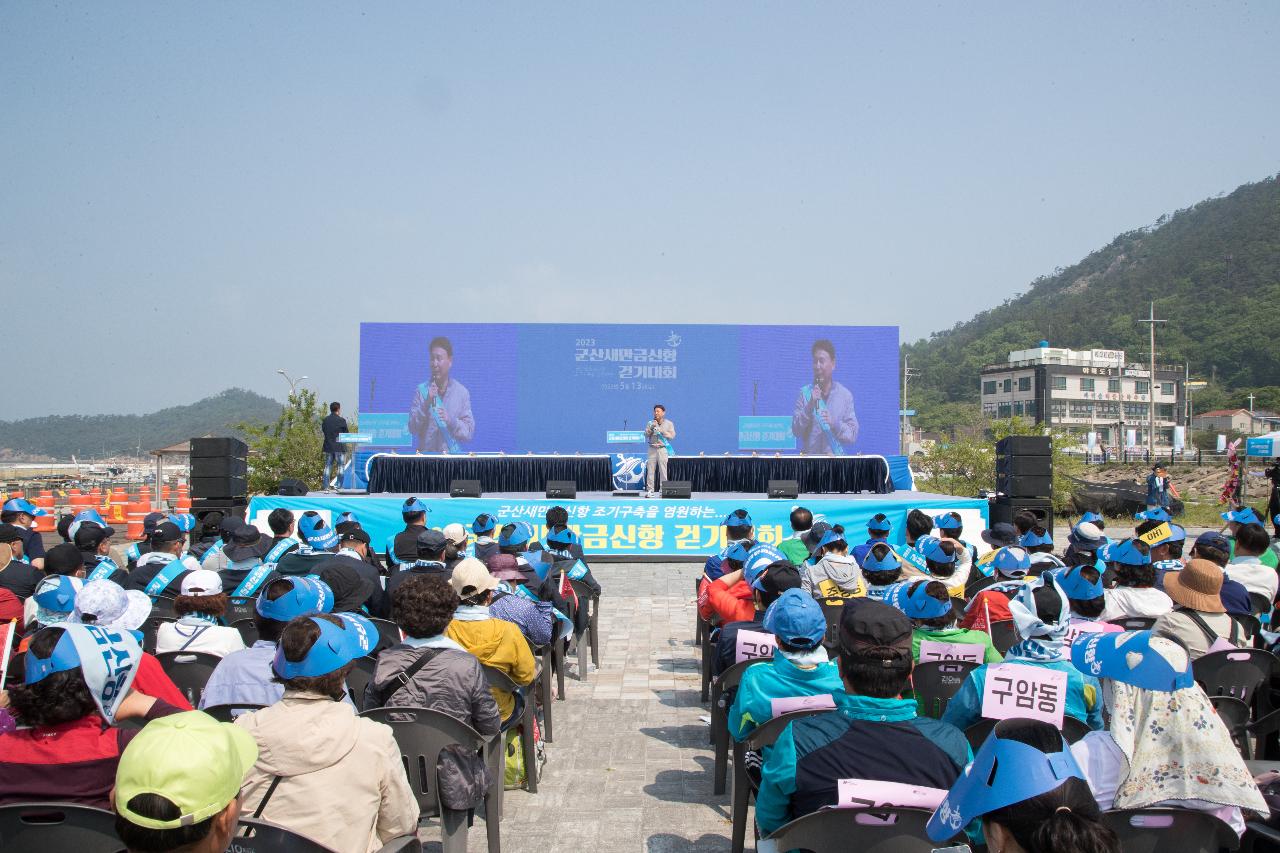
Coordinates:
755	394
624	424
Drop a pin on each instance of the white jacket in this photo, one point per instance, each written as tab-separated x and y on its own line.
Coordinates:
196	635
342	782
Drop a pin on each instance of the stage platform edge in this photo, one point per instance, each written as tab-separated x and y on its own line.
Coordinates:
631	528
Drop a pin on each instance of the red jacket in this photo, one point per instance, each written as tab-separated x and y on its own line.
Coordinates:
726	603
73	762
152	680
986	601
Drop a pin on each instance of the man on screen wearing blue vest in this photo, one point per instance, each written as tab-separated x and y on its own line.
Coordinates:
658	434
824	421
440	418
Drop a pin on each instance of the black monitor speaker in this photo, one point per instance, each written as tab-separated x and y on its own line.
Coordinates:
291	488
783	489
464	488
562	489
678	489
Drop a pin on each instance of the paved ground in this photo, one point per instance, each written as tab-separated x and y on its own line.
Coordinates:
630	769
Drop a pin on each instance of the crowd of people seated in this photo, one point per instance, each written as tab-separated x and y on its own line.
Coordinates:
1117	621
85	685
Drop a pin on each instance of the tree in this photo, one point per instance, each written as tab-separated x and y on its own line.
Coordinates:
291	448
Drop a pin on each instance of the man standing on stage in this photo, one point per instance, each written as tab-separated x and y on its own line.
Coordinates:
824	420
658	434
333	426
440	418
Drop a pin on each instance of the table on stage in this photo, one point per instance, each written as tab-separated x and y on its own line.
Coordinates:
432	473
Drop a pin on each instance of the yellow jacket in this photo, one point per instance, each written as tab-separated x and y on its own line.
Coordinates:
498	644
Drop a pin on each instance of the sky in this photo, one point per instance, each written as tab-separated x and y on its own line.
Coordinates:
195	195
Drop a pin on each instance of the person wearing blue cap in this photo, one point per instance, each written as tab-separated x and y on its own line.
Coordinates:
21	513
319	544
729	598
799	667
927	604
767	581
484	528
1042	618
161	569
874	734
836	575
878	527
951	526
135	550
1165	553
943	561
1030	794
1160	489
1082	585
881	569
1166	746
1038	543
245	677
402	547
322	771
431	547
1135	593
795	546
989	596
738	527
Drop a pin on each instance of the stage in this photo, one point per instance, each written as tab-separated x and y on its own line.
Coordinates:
634	527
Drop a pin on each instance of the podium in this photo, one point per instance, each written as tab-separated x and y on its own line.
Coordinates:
348	477
629	457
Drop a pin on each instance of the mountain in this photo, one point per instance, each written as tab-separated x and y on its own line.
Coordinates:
1213	271
92	436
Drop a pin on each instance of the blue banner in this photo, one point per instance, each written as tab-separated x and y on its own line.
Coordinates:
546	388
633	526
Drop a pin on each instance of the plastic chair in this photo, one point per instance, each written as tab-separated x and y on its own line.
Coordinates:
189	671
832	612
1238	673
1259	603
248	631
976	734
1235	716
402	844
1134	623
760	737
700	626
421	734
162	605
585	640
546	667
58	828
935	682
255	835
228	713
1003	636
880	830
722	691
388	634
1170	831
151	626
240	608
708	658
499	680
358	679
593	619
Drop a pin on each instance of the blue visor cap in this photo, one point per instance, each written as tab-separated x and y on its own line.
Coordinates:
888	564
1003	772
64	657
347	517
90	515
1031	539
1077	586
334	648
737	552
933	551
1157	514
184	521
1129	658
563	537
413	505
947	521
796	619
1091	517
827	538
738	518
519	534
1012	562
1244	515
917	603
20	505
879	523
307	596
1177	533
759	558
315	532
484	523
56	593
1125	553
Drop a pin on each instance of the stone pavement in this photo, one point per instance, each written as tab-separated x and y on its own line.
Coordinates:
630	770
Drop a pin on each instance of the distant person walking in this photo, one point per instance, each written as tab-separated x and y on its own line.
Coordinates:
658	434
1160	488
332	426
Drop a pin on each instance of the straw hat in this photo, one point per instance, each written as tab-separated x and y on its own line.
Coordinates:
1198	586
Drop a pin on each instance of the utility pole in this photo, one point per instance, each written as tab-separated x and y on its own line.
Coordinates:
1151	386
907	374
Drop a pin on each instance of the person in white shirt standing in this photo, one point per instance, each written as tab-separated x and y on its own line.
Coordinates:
658	434
199	628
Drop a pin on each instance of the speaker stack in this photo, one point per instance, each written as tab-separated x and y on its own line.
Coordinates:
1024	478
219	468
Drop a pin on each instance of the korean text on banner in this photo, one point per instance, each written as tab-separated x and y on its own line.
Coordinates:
754	644
1030	692
932	650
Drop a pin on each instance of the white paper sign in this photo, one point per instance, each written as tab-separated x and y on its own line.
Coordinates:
933	650
1078	628
821	702
1031	692
871	793
754	644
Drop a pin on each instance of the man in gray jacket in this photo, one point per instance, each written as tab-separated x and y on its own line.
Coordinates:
658	434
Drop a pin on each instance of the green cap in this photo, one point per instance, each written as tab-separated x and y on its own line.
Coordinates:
190	759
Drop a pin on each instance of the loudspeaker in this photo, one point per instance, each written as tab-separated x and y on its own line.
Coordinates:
783	489
219	466
204	447
677	489
292	488
1024	487
1004	509
464	488
562	489
1029	466
227	508
1023	445
219	487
